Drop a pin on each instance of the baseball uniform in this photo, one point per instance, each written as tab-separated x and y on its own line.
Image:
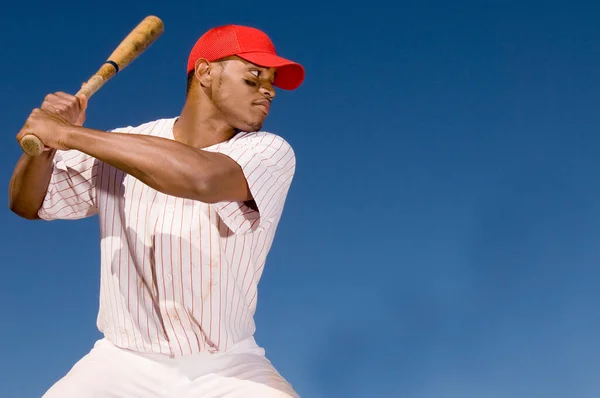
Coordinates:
179	277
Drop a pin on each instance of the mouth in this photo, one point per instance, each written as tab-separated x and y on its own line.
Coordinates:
263	105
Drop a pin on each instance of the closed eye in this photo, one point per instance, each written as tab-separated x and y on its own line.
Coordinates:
256	73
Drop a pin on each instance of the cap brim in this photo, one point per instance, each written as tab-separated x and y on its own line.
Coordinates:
290	74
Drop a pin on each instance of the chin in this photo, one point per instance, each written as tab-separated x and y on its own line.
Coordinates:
251	126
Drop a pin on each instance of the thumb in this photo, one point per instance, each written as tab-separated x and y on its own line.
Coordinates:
83	102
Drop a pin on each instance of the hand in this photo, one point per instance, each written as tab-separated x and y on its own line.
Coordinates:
48	127
70	107
57	111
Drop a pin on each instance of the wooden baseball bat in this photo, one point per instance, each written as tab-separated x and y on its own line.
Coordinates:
134	44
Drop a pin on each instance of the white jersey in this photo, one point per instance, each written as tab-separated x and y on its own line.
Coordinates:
178	276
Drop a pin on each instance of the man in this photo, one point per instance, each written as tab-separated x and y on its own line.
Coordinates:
188	208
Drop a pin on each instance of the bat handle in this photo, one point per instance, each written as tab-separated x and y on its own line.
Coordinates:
32	145
91	86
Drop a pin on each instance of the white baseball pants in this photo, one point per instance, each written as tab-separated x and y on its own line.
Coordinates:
108	371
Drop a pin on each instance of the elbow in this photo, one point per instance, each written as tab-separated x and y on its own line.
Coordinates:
225	187
19	205
25	212
212	188
205	190
28	215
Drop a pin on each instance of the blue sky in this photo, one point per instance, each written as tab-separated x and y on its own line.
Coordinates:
440	239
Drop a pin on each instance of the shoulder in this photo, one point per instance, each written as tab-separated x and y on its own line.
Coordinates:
261	149
262	140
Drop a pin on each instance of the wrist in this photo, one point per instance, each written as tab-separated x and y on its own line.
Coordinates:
70	134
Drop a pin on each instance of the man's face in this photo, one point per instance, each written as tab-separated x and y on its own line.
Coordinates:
243	92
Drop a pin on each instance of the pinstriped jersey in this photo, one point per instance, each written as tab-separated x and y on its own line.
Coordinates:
178	276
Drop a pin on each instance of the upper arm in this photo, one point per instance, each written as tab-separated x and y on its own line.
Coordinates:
261	173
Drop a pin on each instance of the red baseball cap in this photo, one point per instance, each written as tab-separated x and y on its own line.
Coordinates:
250	44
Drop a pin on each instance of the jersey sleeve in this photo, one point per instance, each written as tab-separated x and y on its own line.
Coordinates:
71	192
268	163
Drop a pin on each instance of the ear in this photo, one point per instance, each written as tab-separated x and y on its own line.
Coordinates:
203	72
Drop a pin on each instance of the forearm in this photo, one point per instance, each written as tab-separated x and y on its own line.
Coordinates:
29	184
165	165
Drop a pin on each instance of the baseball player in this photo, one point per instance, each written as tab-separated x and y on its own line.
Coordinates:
188	207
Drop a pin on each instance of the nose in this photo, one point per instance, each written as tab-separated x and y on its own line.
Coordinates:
267	90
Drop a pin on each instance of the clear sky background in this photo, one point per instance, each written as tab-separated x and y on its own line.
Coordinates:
441	238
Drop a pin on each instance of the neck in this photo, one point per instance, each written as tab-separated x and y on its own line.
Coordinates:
201	126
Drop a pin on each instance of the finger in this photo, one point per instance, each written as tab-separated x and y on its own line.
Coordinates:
26	129
72	99
83	102
60	102
54	107
79	100
56	101
63	98
63	105
62	94
49	99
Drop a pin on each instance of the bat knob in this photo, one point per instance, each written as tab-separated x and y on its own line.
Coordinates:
31	145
